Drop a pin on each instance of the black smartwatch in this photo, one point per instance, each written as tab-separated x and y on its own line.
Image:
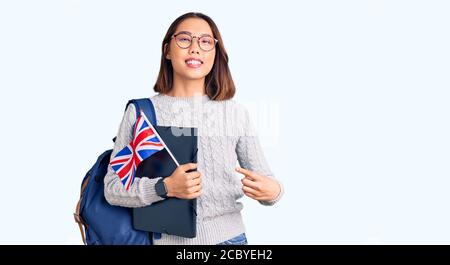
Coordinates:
161	189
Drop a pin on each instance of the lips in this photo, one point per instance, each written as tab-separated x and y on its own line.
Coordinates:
193	62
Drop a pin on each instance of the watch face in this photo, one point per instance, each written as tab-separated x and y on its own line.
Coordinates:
161	189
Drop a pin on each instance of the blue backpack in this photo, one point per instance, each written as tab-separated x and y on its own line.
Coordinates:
101	223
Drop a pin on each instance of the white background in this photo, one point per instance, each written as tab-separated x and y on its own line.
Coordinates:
360	90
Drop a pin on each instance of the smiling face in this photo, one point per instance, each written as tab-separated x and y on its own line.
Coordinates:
191	63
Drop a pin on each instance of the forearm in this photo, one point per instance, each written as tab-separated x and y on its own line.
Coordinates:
251	157
140	194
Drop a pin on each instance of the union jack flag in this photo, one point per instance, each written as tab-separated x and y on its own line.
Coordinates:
145	143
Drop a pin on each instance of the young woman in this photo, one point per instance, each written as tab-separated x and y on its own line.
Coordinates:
195	88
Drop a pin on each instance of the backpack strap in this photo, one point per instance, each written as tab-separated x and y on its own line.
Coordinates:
78	219
146	105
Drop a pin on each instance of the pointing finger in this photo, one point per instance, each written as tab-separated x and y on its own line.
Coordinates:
246	172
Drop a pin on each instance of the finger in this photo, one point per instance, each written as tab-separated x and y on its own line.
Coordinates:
193	175
247	172
188	166
194	182
194	195
194	189
243	171
248	194
253	192
251	184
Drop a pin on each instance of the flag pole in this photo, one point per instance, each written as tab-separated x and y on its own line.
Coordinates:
162	141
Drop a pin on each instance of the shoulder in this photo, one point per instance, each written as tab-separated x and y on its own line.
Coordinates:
130	113
237	109
156	97
130	109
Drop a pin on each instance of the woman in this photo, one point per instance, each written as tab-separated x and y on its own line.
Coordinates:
194	90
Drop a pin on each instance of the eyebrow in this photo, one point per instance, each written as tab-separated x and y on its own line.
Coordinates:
190	33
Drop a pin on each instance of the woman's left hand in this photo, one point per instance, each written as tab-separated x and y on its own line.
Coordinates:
258	187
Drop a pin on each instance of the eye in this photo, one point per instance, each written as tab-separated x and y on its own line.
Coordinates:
183	38
206	40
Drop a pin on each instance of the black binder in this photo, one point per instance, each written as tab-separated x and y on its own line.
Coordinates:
172	215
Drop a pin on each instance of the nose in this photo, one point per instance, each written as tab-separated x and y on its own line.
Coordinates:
194	46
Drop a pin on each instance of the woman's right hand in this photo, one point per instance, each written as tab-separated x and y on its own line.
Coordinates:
182	184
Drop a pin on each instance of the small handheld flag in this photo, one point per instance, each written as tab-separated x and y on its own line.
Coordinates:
146	142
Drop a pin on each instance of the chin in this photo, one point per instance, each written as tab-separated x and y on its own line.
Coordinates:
194	76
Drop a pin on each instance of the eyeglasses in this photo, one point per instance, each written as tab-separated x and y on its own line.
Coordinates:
184	41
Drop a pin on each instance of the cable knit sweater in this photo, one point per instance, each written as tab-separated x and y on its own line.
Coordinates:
225	136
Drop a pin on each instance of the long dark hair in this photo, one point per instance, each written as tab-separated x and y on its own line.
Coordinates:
219	84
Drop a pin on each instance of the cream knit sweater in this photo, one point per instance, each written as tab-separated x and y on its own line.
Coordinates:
225	136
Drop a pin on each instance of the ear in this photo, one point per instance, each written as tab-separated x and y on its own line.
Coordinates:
168	53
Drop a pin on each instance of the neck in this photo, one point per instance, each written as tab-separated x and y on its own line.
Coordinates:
187	88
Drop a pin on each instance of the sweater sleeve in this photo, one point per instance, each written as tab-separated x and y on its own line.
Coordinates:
142	192
250	154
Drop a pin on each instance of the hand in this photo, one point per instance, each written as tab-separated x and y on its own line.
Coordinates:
259	187
182	184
